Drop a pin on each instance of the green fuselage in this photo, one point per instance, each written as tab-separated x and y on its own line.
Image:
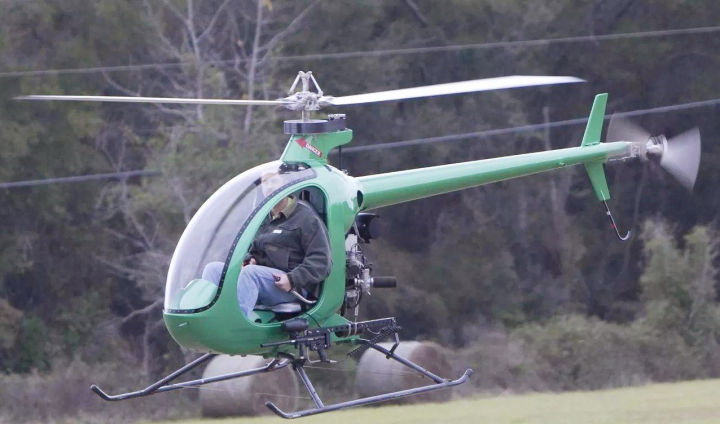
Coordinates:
222	328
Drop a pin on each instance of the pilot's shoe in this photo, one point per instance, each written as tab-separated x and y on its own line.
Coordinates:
254	317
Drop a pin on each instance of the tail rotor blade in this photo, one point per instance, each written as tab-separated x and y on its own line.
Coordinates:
622	129
681	157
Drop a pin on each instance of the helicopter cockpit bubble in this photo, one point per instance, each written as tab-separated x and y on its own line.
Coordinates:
212	233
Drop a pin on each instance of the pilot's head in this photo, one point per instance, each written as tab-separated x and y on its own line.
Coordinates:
270	182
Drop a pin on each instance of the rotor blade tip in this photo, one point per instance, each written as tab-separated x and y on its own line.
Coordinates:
570	79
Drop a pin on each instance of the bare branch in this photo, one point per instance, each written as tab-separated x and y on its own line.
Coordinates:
416	12
139	312
169	47
210	26
253	64
292	26
175	11
124	271
119	87
124	236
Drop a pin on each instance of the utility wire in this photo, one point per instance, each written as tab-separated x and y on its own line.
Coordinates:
79	178
497	44
377	53
524	128
393	144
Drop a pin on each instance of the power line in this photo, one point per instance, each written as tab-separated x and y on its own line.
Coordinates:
377	53
391	145
79	178
524	128
519	43
41	72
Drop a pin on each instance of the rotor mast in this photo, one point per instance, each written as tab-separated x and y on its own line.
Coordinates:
305	99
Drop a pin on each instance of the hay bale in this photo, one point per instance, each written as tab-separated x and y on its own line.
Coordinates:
377	375
246	395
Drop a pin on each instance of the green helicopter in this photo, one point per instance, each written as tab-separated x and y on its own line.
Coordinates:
204	315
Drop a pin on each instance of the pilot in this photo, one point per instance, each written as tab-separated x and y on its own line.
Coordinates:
291	251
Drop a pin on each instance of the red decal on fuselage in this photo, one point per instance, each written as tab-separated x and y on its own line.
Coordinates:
303	143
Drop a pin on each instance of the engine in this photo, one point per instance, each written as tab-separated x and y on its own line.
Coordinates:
358	270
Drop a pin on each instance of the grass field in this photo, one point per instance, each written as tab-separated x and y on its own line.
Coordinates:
686	402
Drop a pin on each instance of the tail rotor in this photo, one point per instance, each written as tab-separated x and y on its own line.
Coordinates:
681	156
678	155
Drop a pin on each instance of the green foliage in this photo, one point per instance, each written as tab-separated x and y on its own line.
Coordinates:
30	352
675	339
574	352
79	318
62	396
679	284
473	271
10	319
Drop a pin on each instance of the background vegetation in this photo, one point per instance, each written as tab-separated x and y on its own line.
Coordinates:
523	278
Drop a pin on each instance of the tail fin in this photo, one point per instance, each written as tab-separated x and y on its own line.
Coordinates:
593	132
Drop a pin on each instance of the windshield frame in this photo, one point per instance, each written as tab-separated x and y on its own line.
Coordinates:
310	174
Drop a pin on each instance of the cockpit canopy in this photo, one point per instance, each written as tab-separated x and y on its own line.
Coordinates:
212	233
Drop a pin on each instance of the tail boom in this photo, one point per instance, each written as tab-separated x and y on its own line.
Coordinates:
402	186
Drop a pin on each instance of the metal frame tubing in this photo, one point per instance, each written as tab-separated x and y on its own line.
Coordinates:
440	383
408	363
309	386
371	399
160	386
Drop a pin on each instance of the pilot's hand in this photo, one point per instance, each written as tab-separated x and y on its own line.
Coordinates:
282	282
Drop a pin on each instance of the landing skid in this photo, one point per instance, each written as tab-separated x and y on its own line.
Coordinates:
162	386
305	340
440	383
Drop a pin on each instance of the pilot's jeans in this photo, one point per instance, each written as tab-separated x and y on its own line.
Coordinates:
256	284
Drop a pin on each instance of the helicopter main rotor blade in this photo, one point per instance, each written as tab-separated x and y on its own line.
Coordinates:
131	99
484	84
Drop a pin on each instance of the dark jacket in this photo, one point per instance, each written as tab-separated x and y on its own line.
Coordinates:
297	244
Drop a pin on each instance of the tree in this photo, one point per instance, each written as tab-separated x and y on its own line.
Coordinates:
679	284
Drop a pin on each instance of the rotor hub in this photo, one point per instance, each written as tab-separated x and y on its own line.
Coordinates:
656	146
303	101
653	147
335	122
